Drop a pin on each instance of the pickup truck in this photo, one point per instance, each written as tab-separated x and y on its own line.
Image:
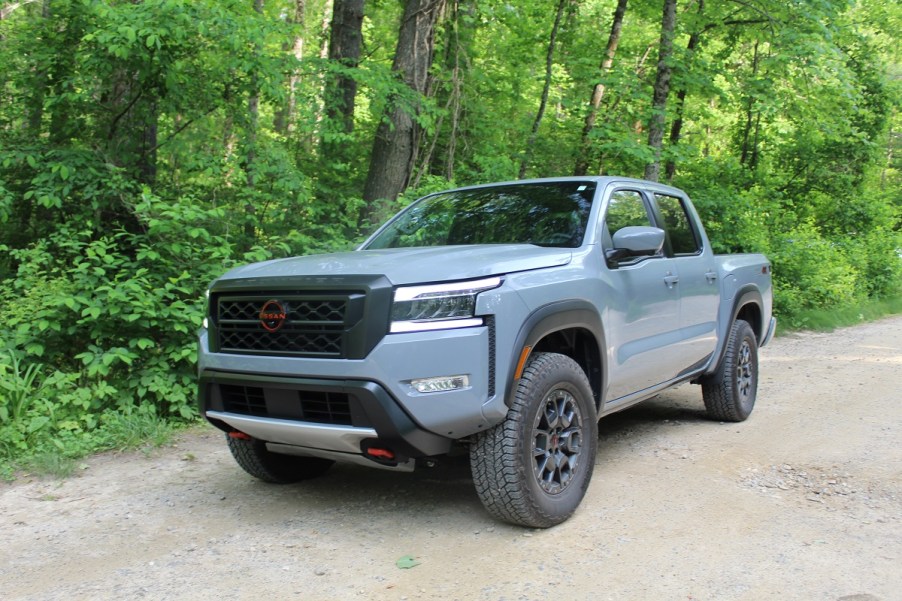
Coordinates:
502	320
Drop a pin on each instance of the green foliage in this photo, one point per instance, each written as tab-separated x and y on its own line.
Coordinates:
827	320
146	147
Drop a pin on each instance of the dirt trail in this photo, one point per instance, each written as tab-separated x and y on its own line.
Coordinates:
802	501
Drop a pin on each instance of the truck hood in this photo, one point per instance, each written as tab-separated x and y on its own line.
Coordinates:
412	265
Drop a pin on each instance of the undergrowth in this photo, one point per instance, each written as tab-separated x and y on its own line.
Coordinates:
824	320
59	455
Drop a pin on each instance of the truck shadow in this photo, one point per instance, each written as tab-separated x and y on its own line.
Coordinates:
358	497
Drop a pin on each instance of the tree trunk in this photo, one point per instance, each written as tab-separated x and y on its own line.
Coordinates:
676	127
345	41
582	161
283	120
250	156
41	81
396	137
661	90
749	141
460	24
549	64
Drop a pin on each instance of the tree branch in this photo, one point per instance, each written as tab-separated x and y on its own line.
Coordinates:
178	131
7	10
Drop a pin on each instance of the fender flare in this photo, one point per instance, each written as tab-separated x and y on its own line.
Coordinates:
550	318
747	295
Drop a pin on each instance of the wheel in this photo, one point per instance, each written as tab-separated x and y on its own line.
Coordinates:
730	392
533	468
256	460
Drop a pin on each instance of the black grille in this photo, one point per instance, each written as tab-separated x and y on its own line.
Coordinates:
322	407
280	323
326	407
247	400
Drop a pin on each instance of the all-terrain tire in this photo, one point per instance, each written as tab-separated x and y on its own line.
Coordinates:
256	460
533	468
730	392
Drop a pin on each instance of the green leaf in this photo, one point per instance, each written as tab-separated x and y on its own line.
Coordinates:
35	348
64	172
407	562
37	423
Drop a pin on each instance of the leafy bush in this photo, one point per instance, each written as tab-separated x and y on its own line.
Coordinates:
811	271
116	317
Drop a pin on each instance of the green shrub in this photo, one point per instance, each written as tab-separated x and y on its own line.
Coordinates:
810	271
116	316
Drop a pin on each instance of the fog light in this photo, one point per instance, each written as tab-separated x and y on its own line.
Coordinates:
440	384
205	323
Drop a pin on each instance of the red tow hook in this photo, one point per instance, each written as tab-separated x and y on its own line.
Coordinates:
380	453
239	435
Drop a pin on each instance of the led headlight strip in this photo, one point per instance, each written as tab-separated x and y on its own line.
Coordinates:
438	306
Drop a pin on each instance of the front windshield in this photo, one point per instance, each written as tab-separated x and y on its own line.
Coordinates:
544	214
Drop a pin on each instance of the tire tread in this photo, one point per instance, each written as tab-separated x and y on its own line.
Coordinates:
718	390
500	479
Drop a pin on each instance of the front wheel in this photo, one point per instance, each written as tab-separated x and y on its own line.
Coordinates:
730	392
533	468
254	458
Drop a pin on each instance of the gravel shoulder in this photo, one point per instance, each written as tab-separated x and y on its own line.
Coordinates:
802	501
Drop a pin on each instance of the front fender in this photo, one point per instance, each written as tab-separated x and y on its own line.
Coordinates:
551	318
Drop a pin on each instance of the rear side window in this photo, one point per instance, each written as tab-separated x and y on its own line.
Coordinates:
681	235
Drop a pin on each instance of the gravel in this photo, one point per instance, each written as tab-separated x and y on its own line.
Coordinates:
802	501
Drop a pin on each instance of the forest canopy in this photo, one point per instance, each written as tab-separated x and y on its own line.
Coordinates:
148	145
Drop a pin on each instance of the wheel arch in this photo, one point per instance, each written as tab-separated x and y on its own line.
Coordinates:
572	328
748	306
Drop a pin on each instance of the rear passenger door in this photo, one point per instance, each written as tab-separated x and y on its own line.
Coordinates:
698	285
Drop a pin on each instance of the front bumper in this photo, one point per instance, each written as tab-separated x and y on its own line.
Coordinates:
340	408
325	418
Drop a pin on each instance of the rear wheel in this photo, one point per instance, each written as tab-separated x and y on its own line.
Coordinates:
253	456
730	392
533	468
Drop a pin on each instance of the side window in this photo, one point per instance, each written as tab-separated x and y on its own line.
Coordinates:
625	208
683	240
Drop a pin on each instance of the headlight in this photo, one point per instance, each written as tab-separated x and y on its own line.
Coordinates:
439	306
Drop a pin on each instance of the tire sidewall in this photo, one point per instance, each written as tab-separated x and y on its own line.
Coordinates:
533	396
742	334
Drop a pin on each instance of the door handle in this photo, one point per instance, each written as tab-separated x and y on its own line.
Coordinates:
711	276
670	280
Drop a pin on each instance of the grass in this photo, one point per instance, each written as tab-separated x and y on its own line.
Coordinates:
134	430
827	320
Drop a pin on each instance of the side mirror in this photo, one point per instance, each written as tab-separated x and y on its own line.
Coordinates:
636	241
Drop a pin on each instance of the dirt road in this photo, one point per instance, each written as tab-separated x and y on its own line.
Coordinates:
802	501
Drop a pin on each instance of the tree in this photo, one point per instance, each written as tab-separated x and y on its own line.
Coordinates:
661	90
582	160
395	145
283	121
543	102
345	40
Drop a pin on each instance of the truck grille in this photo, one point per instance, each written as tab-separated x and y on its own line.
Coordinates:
318	406
280	323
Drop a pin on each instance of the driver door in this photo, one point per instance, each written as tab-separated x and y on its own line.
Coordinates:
641	306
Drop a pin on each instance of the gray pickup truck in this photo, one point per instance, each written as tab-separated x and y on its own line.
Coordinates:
502	319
